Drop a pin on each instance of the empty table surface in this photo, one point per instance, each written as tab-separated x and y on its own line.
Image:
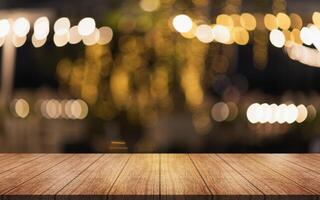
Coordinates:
159	176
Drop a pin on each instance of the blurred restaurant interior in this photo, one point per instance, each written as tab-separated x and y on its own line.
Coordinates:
159	76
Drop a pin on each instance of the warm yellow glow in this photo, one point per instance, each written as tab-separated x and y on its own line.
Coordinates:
312	112
61	26
38	43
296	21
92	38
79	109
61	40
182	23
4	27
41	28
106	35
53	109
86	26
240	35
222	34
283	21
18	41
74	36
22	108
270	21
204	33
149	5
316	18
277	38
302	113
21	27
220	111
295	36
305	35
248	21
192	33
224	20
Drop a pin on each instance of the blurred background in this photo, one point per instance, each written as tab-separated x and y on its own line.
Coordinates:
159	76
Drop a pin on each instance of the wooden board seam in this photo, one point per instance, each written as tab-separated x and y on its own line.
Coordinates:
35	176
78	175
312	192
38	156
200	174
112	185
264	195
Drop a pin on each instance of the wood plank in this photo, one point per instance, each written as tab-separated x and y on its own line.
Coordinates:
303	160
272	184
139	179
49	183
14	177
222	180
96	181
179	179
15	160
300	175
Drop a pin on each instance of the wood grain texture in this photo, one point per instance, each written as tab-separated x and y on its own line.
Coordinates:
159	176
96	181
10	161
308	161
269	182
180	179
16	176
304	177
223	181
49	183
139	179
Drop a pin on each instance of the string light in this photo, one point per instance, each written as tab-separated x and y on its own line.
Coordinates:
221	33
106	35
265	113
38	42
277	38
4	27
61	26
204	33
21	27
21	108
61	40
74	36
86	26
41	28
182	23
18	41
91	39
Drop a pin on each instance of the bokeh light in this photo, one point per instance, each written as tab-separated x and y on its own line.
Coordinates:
106	35
182	23
41	28
4	27
61	26
277	38
204	33
86	26
21	27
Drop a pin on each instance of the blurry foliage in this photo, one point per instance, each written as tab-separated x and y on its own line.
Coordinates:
145	72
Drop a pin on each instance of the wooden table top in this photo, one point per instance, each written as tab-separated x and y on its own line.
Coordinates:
159	176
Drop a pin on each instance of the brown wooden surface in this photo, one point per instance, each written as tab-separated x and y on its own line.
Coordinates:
159	176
